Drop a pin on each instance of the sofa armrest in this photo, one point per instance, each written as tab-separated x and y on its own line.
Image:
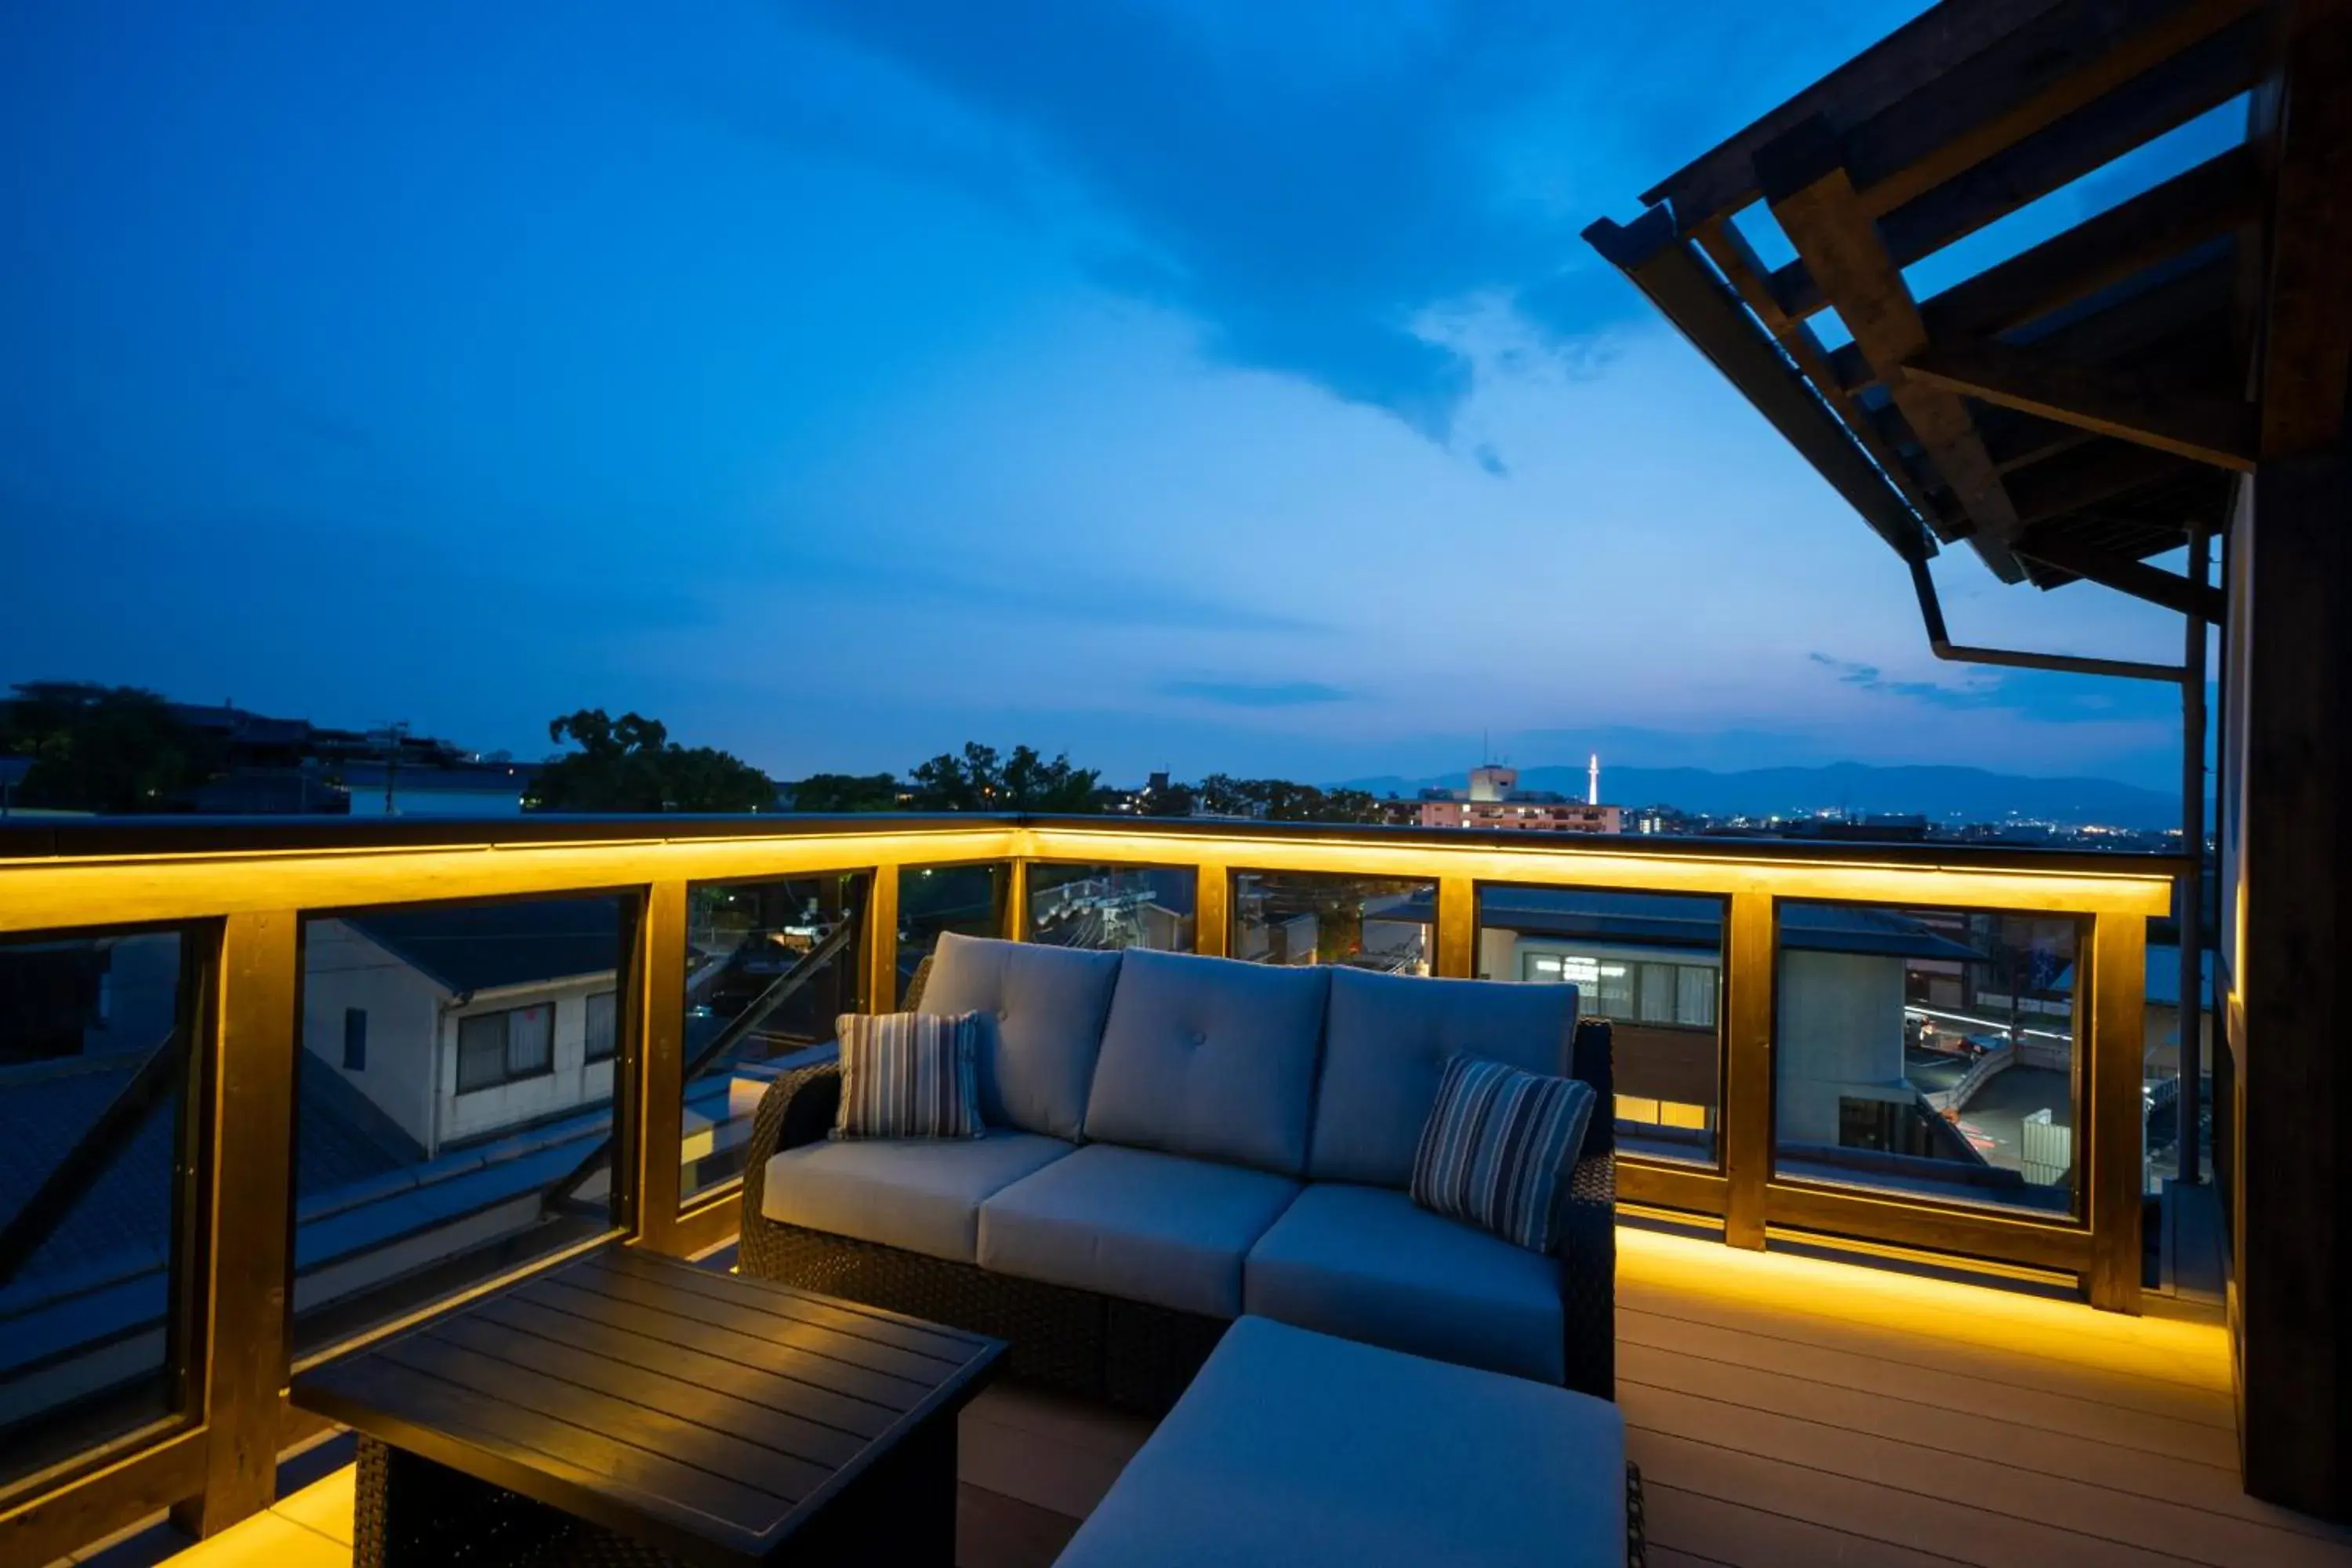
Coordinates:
798	1108
1585	1243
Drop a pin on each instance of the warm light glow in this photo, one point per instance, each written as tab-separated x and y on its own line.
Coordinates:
1540	859
2164	1349
50	894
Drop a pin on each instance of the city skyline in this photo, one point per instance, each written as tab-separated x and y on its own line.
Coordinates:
1193	391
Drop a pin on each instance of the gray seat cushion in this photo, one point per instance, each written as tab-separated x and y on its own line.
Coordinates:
1299	1450
919	1194
1042	1010
1367	1263
1128	1222
1386	1044
1209	1057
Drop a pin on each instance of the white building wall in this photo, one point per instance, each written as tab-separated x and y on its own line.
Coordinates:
1839	1034
138	995
341	969
575	1081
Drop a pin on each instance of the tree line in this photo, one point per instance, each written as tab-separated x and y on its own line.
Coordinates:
122	749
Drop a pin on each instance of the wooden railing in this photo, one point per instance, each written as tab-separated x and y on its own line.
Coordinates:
239	892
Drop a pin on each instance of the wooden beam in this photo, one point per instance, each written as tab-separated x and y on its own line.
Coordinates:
2307	350
2177	90
2125	575
1738	261
2086	476
1813	199
2209	201
1721	181
1669	270
2174	92
2052	66
2130	409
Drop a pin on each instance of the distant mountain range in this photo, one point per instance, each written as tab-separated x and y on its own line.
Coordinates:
1939	793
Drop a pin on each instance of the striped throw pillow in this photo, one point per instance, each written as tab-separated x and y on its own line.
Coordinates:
910	1075
1497	1147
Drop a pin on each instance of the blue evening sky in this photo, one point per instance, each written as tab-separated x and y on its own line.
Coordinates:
1205	385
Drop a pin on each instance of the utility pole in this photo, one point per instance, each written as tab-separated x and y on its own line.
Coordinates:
2192	984
394	734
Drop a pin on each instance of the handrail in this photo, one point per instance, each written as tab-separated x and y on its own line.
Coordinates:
136	837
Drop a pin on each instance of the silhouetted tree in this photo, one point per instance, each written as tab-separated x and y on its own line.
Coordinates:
630	764
117	750
848	792
980	780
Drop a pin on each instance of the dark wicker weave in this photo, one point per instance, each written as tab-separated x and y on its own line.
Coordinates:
1637	1523
1136	1355
410	1512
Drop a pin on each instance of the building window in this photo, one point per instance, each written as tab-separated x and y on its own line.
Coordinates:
602	1039
1644	991
500	1048
355	1040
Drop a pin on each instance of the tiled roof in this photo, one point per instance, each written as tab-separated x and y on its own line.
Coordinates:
479	947
122	1222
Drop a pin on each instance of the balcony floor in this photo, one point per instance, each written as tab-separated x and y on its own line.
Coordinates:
1784	1410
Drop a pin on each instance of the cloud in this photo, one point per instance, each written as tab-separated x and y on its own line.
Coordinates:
1258	694
1868	678
1308	181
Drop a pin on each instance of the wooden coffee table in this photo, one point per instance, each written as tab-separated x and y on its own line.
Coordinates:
630	1408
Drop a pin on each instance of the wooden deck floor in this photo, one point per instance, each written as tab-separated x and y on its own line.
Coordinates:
1784	1410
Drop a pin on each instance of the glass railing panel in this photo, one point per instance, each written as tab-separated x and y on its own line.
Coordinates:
95	1059
1111	906
1651	963
1929	1053
768	967
1313	917
967	899
454	1101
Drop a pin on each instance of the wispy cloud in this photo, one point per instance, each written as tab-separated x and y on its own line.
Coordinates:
1258	694
1306	181
1869	677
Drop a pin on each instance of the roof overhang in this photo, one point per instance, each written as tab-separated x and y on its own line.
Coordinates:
2082	404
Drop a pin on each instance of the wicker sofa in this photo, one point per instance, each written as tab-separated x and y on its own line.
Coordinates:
1174	1142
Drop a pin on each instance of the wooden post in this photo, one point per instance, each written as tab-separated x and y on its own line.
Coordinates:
2111	1166
881	943
1017	899
1213	909
1457	927
1747	1118
250	1152
658	962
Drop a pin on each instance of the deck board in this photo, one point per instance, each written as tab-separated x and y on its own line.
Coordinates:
1792	1412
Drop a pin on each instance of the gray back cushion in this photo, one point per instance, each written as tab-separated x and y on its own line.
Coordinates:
1385	1047
1042	1010
1209	1057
